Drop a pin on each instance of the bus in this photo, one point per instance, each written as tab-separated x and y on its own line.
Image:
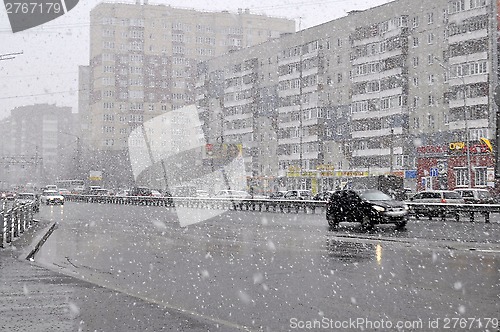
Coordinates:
75	186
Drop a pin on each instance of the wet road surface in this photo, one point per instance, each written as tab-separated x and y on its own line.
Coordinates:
280	272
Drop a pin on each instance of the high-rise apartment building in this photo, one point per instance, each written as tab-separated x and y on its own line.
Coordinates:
38	145
361	95
143	61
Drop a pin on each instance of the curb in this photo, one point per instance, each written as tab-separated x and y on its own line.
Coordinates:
33	252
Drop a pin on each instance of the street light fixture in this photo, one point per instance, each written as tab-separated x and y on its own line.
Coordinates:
466	123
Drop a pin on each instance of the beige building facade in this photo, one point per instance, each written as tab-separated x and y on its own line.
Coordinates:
358	95
143	61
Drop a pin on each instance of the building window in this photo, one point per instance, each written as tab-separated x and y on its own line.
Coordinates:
431	121
415	21
456	6
461	177
416	101
416	123
432	101
477	3
430	38
480	176
415	41
431	79
415	61
430	18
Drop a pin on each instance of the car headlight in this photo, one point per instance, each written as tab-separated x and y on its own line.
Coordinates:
378	208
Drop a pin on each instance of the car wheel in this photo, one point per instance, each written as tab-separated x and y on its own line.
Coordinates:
401	224
332	222
366	222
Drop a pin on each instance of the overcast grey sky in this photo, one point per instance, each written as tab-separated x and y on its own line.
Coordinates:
47	72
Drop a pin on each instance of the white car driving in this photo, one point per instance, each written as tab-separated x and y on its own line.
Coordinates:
51	197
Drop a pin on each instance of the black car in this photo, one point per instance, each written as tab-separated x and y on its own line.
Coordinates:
368	207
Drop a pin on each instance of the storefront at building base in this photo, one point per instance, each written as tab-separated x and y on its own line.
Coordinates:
447	167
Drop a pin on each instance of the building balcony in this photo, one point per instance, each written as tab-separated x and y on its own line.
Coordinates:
460	125
289	124
468	36
469	102
377	152
238	131
377	133
378	94
379	38
241	102
468	79
289	92
238	117
460	16
377	76
468	58
377	114
289	140
377	57
298	57
238	88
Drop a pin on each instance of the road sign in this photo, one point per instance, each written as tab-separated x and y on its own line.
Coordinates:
433	172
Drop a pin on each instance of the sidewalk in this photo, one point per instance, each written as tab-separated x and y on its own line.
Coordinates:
33	298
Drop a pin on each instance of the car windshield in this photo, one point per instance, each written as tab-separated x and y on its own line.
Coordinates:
26	196
249	165
375	195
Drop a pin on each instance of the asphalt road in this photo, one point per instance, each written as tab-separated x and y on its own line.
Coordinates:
280	272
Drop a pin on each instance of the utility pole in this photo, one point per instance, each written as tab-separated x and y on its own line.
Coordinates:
466	123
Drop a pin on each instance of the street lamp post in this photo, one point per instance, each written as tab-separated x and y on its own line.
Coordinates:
466	124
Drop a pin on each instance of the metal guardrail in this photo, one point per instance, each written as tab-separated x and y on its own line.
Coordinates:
442	210
251	204
14	220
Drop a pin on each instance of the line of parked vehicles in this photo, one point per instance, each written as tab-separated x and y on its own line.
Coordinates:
366	206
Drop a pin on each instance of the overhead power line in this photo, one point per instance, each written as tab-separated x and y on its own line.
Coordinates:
42	94
9	56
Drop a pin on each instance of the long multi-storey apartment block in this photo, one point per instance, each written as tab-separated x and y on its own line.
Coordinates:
362	95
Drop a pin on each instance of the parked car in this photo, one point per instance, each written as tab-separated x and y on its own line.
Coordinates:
140	191
476	196
437	196
238	194
51	197
99	192
277	194
323	196
434	196
24	198
298	195
8	195
123	193
368	207
64	191
155	193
